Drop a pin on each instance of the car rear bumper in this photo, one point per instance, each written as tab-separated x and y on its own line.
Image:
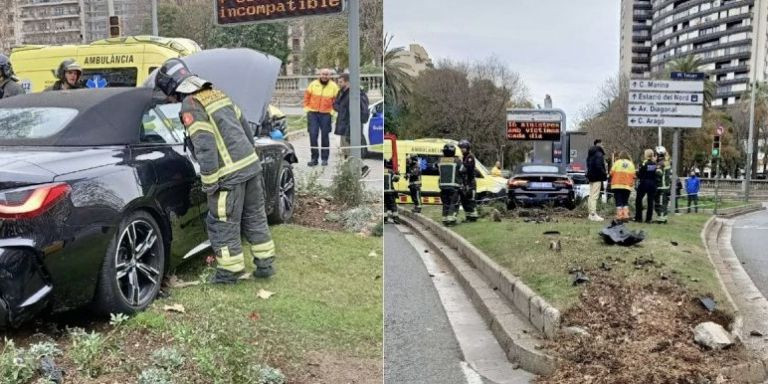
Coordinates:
541	198
25	287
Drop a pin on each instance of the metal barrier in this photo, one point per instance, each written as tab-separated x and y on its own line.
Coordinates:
734	187
372	83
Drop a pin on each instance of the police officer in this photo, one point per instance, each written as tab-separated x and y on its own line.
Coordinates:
646	186
663	184
450	168
413	174
68	75
223	144
9	85
390	194
468	185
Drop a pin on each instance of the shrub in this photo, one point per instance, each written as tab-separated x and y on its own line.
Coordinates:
155	376
347	188
88	351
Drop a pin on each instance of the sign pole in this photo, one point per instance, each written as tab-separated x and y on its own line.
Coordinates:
717	182
354	76
675	159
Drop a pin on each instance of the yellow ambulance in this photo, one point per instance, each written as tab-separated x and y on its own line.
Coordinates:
114	62
429	151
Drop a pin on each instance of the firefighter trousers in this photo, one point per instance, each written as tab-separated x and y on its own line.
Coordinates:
662	202
468	202
237	212
415	195
390	204
449	196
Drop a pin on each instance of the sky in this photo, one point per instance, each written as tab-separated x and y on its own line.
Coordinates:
564	48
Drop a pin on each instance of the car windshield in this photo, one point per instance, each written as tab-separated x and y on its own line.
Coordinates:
33	123
540	169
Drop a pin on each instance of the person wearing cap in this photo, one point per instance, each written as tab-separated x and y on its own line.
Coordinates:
68	75
9	84
223	145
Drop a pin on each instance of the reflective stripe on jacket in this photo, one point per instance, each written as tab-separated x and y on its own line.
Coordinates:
622	174
319	97
450	172
222	139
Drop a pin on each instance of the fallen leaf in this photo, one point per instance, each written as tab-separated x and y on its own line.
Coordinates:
372	254
264	294
255	316
175	308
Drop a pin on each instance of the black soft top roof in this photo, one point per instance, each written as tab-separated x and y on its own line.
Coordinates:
108	116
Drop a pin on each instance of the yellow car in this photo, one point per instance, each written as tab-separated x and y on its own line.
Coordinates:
429	151
115	62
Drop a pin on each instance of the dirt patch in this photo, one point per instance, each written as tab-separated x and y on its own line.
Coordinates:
545	214
313	211
638	334
328	368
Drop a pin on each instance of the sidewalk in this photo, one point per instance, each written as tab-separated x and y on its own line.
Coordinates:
300	141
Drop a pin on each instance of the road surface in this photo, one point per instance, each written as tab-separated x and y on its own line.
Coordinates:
748	242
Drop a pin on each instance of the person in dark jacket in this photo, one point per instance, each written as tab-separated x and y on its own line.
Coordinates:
692	186
9	85
646	186
596	174
69	75
341	106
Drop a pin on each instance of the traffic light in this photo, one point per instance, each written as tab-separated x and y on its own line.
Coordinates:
716	146
114	26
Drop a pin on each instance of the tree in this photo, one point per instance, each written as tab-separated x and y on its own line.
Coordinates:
397	80
760	120
692	63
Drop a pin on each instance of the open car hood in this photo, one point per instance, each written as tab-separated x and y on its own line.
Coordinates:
247	76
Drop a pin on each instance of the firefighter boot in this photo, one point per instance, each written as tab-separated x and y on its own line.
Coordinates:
222	276
264	267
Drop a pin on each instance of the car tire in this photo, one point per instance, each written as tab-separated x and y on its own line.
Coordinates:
282	210
133	267
511	203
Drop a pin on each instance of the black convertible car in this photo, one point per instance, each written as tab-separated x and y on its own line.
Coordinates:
99	199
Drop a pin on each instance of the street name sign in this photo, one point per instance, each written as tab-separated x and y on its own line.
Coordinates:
665	109
665	97
687	75
231	12
664	121
666	86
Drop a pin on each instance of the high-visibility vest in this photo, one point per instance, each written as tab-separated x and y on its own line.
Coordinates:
623	174
319	97
450	172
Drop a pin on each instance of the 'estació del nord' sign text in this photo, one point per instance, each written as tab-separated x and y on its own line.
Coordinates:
251	11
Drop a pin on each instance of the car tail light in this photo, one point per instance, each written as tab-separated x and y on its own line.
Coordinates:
29	202
563	183
516	183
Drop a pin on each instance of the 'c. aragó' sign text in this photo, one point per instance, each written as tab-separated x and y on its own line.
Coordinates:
249	11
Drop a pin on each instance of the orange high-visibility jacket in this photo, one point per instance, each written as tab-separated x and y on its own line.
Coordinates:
623	174
319	97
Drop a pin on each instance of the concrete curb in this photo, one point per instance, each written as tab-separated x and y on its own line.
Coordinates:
515	334
750	307
295	134
730	213
542	315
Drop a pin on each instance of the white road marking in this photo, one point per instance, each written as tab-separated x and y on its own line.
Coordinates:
470	374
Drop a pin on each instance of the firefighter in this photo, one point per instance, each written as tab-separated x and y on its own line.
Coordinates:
9	84
68	75
468	184
450	169
390	194
223	144
413	174
663	184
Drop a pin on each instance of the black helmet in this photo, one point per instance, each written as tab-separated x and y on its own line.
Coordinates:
449	150
68	65
464	145
388	164
5	67
174	77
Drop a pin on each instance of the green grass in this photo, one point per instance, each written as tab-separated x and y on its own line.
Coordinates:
296	123
523	249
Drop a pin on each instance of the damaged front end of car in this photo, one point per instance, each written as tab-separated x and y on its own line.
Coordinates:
25	285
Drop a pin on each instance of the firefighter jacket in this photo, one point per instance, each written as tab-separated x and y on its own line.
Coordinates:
663	176
450	169
390	178
222	139
9	87
414	175
468	176
319	97
623	174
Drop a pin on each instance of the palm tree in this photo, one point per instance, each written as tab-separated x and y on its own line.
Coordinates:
397	79
761	117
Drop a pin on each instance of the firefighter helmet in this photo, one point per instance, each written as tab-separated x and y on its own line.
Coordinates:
449	150
464	145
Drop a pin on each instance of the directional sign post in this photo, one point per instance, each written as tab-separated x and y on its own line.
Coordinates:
667	104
